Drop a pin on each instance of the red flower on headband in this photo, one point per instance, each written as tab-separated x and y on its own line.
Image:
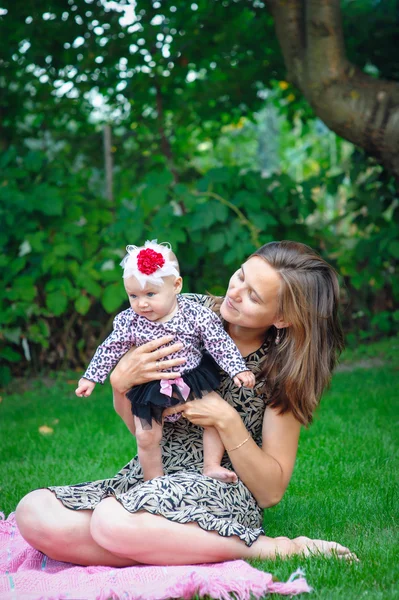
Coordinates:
149	261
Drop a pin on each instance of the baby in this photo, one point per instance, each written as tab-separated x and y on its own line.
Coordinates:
153	284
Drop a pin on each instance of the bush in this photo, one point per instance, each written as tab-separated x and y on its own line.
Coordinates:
62	243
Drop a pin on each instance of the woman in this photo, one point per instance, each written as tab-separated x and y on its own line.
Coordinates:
281	311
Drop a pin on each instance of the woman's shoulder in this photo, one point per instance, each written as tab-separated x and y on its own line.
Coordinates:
205	300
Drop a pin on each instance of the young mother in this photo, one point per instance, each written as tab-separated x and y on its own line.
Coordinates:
281	310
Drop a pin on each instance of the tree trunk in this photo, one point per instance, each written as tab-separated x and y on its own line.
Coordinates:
108	162
359	108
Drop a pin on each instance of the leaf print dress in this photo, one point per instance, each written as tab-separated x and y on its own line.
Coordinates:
184	494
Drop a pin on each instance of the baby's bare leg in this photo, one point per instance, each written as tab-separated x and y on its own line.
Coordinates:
213	453
123	408
149	449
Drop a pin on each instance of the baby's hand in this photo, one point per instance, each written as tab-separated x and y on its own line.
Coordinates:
85	387
246	378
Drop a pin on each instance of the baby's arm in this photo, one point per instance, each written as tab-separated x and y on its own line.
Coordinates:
222	348
85	387
112	349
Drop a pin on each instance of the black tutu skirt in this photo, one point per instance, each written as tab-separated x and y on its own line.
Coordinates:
148	402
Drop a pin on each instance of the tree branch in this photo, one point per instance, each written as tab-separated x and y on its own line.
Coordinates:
325	48
165	144
289	19
360	108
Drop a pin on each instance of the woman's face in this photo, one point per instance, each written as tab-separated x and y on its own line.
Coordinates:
252	296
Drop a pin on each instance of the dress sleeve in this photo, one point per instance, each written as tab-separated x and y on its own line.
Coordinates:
202	299
112	349
219	344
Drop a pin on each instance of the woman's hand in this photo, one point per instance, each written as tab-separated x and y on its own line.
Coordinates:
209	411
141	365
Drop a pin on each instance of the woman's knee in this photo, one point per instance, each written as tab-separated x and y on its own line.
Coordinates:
33	516
45	523
31	508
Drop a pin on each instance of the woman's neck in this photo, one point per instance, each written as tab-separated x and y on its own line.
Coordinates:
247	340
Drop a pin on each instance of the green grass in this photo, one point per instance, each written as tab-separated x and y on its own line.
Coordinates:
89	441
344	487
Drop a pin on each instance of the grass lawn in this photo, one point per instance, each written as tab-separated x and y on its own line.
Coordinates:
345	484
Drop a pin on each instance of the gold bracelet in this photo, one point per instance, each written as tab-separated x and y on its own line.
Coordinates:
239	445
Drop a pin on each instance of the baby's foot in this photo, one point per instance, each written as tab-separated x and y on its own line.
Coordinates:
220	473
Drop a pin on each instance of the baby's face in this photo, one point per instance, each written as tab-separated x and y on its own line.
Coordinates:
154	302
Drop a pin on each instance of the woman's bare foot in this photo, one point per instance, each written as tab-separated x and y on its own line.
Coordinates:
310	547
220	473
266	547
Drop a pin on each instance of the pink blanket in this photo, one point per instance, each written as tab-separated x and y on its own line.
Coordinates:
26	574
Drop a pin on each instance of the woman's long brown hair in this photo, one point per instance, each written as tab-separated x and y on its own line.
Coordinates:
299	368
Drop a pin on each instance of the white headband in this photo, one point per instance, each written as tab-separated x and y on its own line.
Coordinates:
149	263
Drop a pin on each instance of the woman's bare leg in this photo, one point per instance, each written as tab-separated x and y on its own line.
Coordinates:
61	533
213	453
151	539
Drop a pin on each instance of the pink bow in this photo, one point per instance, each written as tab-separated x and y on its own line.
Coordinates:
166	387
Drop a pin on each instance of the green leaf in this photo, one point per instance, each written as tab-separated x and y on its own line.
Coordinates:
34	161
113	297
61	284
92	287
222	175
14	267
262	220
220	211
44	328
57	303
382	321
153	197
5	375
48	262
394	248
82	305
7	157
202	218
216	242
248	200
47	200
159	178
9	354
37	240
176	236
231	255
23	289
111	275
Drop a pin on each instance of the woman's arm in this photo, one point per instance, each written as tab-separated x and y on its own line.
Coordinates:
265	471
139	365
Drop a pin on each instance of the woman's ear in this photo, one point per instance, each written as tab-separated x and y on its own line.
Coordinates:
177	286
280	324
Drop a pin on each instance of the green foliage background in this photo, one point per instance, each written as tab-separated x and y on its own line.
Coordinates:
213	150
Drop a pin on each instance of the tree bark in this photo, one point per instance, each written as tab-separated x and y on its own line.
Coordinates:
108	161
356	106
